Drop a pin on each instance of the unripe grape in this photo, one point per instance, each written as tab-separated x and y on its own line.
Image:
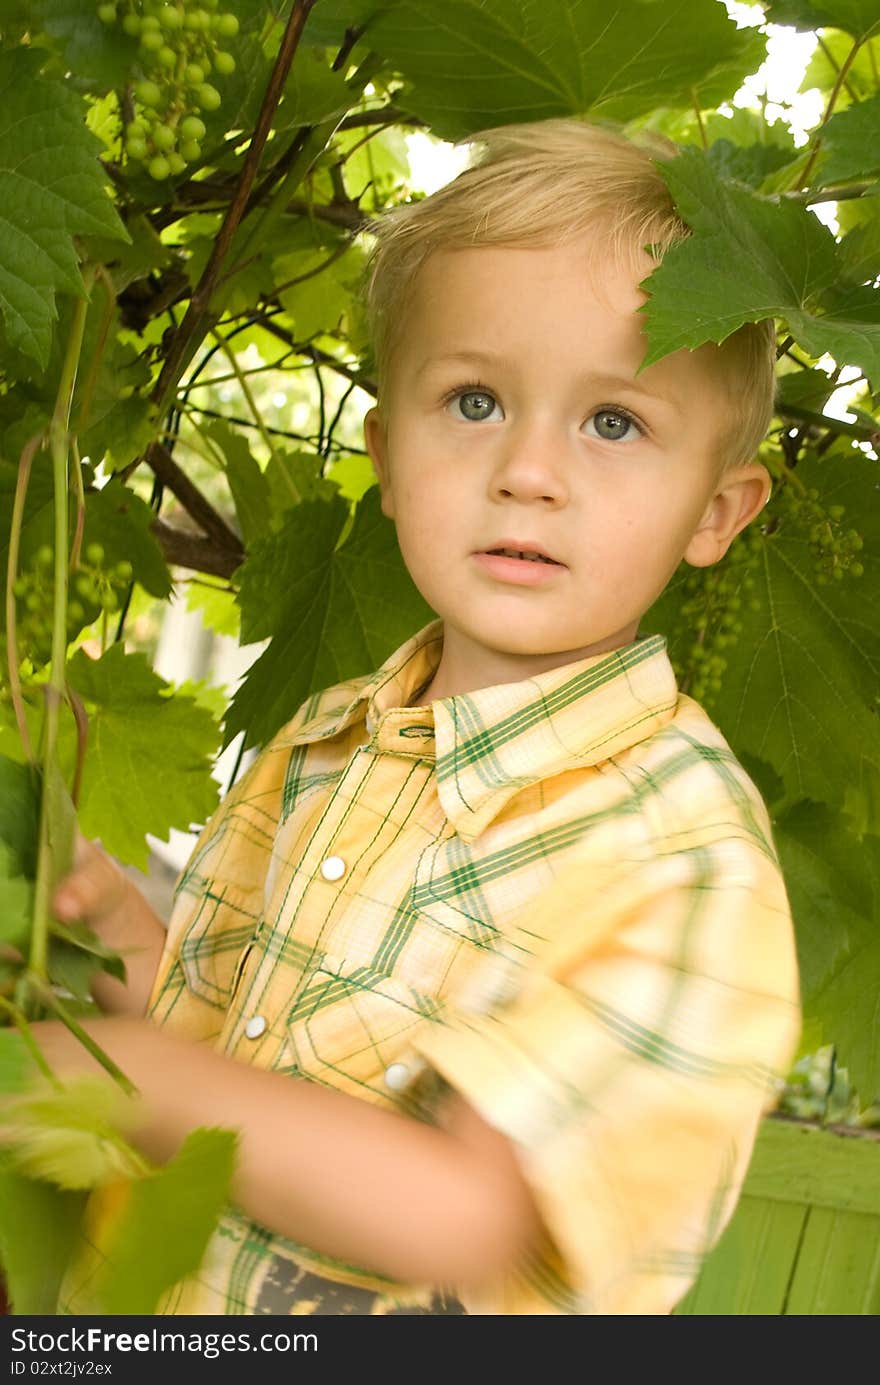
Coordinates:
33	601
195	74
837	511
20	585
857	570
190	151
107	14
95	554
148	93
151	39
45	556
176	163
85	586
131	24
159	168
76	611
136	148
166	57
224	63
124	570
226	25
136	127
170	17
208	97
192	128
109	600
149	21
164	137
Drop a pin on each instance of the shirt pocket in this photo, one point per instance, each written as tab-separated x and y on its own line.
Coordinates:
353	1027
214	950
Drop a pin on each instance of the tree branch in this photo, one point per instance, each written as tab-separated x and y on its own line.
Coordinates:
191	328
190	497
185	549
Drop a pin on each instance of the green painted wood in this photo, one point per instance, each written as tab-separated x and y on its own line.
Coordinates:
805	1237
794	1162
838	1267
749	1270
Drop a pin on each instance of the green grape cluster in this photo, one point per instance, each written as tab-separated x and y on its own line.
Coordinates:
714	599
833	548
92	588
180	47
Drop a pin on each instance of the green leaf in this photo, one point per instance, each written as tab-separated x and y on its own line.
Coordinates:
747	164
76	955
71	1135
99	55
800	687
293	476
148	764
120	521
19	816
247	481
856	17
216	605
851	144
476	63
16	1063
39	1228
51	189
834	887
751	258
164	1227
332	612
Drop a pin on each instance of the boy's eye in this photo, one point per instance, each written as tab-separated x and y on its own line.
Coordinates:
474	405
612	425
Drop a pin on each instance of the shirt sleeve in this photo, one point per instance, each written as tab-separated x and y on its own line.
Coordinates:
631	1069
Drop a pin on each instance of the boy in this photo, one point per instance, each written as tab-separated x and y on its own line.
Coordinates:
488	956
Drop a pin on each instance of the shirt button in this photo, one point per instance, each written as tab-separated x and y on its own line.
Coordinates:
333	868
396	1076
255	1026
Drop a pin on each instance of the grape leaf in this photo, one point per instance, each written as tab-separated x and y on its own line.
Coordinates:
120	521
98	55
332	611
475	63
752	258
19	816
160	1234
16	1063
39	1227
801	690
833	883
51	189
857	17
851	144
148	762
70	1135
247	481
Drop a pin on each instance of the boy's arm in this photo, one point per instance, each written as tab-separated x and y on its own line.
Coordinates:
424	1204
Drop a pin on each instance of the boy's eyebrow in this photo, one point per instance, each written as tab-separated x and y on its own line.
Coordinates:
613	383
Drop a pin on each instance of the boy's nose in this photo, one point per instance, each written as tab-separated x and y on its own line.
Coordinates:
530	464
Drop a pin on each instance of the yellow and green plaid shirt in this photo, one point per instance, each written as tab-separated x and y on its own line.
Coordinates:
558	897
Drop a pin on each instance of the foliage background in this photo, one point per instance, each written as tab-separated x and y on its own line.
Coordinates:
195	347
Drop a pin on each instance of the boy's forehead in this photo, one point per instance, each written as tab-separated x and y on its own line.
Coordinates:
471	304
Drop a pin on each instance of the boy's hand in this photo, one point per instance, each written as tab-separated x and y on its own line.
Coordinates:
93	890
98	893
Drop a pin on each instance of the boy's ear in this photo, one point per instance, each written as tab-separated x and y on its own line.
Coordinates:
741	495
376	438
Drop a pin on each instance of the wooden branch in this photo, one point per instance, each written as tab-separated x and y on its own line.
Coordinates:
192	327
185	549
191	498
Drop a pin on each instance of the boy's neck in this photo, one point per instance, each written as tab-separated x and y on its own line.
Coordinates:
453	679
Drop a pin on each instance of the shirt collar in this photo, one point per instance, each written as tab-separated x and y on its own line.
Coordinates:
491	743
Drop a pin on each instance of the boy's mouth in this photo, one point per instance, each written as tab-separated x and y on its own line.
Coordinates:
518	562
526	552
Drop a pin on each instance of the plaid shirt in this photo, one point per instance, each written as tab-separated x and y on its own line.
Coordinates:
558	897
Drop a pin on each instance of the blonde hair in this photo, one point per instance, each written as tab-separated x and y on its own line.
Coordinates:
546	183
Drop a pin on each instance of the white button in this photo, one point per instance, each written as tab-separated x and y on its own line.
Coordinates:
397	1076
255	1026
333	868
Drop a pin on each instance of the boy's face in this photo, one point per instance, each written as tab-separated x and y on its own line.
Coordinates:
513	416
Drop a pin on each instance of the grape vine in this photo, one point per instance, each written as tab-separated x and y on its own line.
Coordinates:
179	48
